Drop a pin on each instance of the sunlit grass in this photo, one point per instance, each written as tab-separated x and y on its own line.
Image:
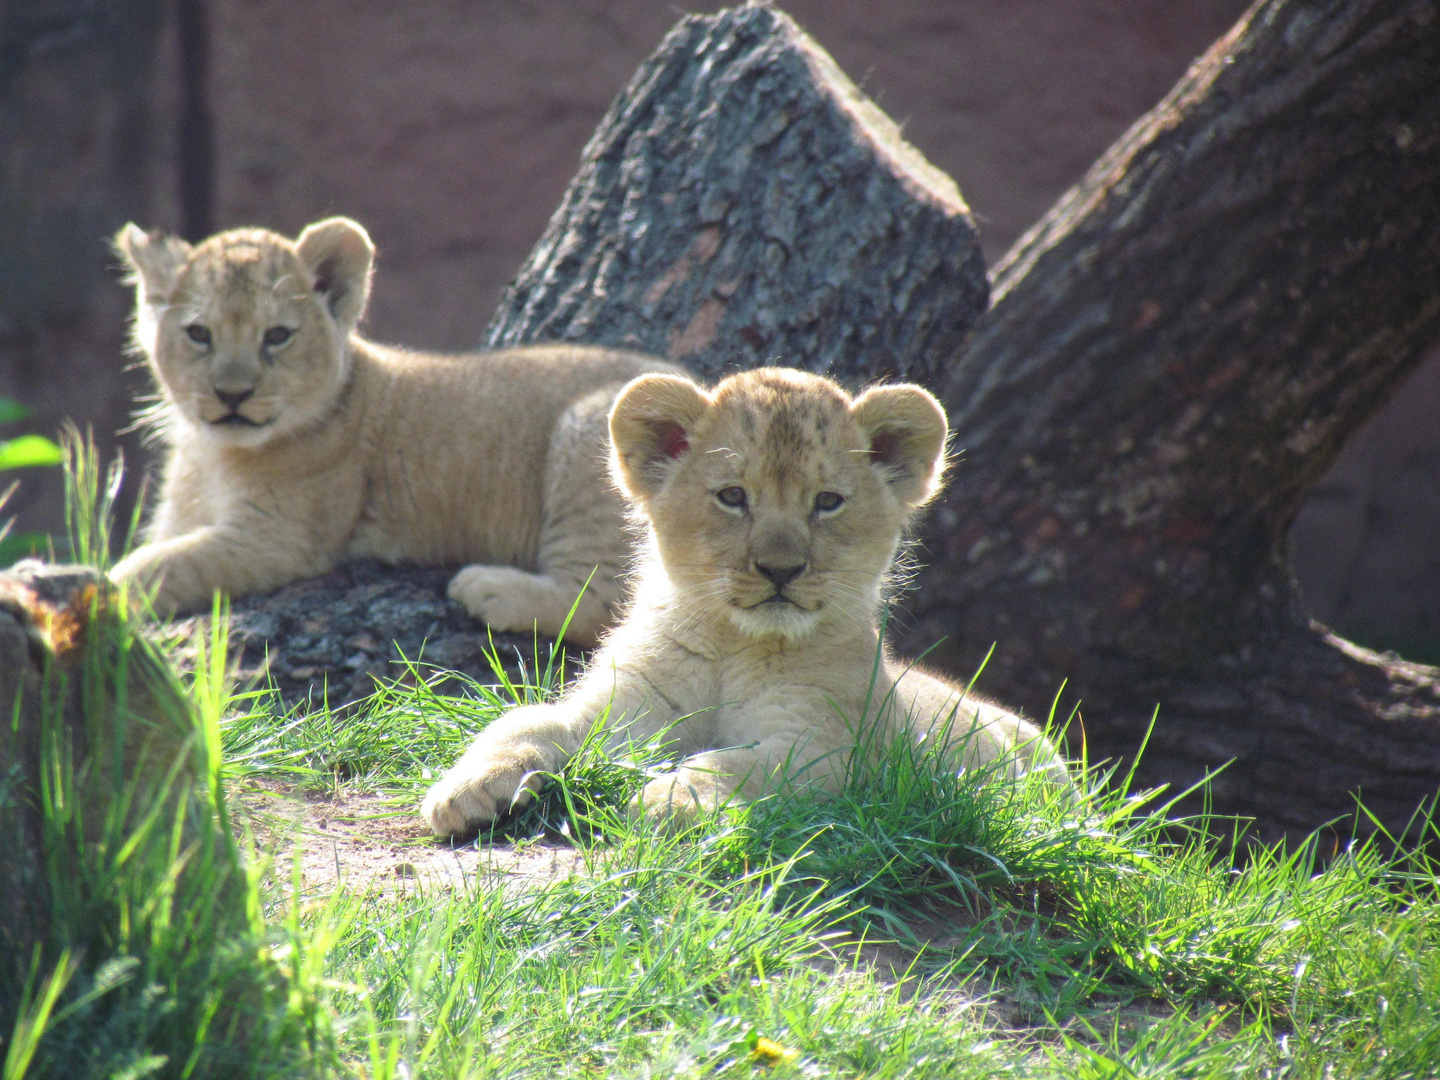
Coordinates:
1120	945
1123	941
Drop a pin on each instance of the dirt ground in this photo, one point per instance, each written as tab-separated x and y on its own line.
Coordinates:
368	843
364	842
372	843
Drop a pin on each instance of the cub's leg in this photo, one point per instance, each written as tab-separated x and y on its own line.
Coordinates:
707	781
500	766
185	571
582	532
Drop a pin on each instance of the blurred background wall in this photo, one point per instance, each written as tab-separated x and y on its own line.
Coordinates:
450	128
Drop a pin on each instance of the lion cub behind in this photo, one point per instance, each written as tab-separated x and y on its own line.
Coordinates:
295	444
776	505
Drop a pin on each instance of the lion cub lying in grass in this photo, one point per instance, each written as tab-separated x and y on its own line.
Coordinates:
776	506
295	444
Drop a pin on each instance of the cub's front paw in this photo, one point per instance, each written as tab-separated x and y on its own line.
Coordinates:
144	571
136	568
502	597
481	786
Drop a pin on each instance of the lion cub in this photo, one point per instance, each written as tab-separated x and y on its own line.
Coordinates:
776	506
295	444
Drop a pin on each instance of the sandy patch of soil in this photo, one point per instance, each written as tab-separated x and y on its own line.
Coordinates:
365	843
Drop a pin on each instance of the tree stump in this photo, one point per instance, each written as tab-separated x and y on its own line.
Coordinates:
120	877
1176	353
742	203
87	706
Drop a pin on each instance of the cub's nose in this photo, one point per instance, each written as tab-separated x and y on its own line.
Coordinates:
780	576
234	398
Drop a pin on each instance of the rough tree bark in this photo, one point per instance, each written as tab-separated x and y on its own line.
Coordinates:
1176	353
743	203
330	638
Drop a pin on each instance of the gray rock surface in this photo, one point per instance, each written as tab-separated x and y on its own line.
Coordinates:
332	637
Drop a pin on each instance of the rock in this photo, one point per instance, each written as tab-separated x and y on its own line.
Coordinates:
335	636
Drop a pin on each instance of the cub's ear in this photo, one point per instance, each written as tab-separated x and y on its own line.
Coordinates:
154	259
907	429
650	428
338	253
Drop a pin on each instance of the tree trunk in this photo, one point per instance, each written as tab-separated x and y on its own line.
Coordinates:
1176	353
92	720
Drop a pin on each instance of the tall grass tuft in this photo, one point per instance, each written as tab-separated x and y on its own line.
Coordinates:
91	494
141	949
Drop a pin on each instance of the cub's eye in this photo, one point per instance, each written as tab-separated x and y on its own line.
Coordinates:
278	335
828	500
733	497
198	334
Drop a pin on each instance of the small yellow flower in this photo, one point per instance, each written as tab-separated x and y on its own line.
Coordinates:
769	1052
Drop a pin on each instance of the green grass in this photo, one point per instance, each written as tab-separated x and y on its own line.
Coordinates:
1028	935
1087	938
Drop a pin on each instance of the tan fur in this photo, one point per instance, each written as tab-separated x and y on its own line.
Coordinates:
747	684
338	448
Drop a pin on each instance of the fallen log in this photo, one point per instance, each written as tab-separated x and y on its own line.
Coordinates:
330	640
